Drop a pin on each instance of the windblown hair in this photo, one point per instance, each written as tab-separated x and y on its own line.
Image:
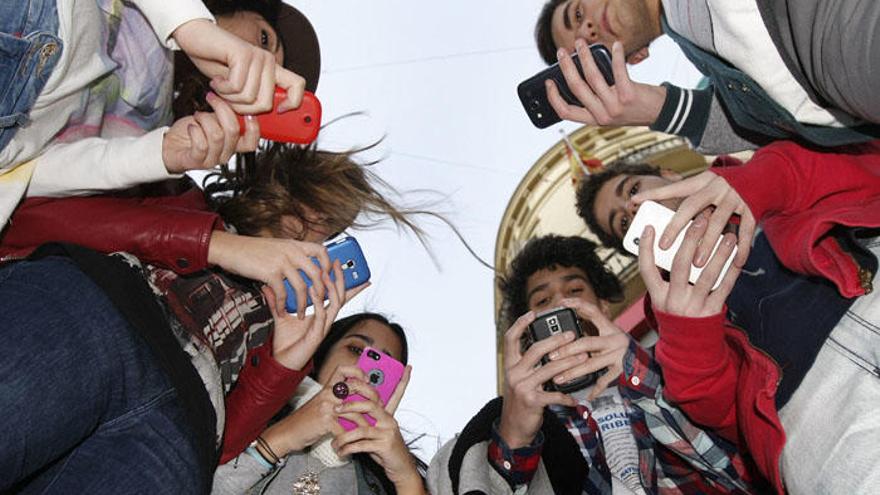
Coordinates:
589	189
324	188
550	252
544	34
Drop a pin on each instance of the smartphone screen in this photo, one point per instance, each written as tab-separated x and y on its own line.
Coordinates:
533	95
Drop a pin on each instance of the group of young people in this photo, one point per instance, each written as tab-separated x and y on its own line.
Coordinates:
171	365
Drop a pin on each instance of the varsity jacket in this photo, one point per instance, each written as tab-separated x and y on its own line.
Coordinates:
739	113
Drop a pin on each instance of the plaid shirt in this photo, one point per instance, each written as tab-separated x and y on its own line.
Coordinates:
675	456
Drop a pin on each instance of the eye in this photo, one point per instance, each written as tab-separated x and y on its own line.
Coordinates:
578	15
356	350
576	290
634	189
264	38
624	224
542	302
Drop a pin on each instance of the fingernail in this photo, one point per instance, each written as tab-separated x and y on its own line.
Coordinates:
701	258
579	43
700	221
560	54
569	335
250	118
554	355
729	241
664	241
559	379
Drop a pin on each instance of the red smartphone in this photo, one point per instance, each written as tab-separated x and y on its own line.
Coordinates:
383	373
300	125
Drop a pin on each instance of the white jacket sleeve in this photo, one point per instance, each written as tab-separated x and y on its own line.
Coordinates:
94	165
166	16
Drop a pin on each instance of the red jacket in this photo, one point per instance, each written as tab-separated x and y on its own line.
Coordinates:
173	232
170	231
729	386
799	194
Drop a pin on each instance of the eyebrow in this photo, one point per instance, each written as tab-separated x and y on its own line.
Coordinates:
536	289
565	19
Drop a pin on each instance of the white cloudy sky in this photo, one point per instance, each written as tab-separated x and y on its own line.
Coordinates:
438	81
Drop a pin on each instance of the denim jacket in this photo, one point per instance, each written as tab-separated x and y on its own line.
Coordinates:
29	49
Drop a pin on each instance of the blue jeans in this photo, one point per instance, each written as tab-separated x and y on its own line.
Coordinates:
29	50
84	408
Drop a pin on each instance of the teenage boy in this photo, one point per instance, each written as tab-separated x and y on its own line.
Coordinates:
777	70
809	335
617	436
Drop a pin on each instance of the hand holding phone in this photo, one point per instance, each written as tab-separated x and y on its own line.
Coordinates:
300	125
355	270
556	321
533	93
659	216
383	373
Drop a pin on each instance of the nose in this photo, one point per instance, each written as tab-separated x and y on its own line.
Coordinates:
556	299
588	31
631	208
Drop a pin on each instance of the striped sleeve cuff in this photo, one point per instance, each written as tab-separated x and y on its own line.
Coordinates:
517	466
684	112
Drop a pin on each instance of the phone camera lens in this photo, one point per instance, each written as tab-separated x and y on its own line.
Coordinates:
373	355
536	104
308	119
376	377
636	241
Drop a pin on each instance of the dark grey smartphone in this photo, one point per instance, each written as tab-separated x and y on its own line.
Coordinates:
556	321
533	95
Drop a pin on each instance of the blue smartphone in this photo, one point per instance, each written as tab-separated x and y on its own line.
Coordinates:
355	270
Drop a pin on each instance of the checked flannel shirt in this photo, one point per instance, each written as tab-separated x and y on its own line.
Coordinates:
675	456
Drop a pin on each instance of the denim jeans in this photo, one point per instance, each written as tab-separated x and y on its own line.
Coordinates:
29	49
84	406
831	422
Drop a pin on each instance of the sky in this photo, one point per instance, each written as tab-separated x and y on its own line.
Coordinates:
436	82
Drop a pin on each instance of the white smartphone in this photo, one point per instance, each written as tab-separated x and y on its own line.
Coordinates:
659	216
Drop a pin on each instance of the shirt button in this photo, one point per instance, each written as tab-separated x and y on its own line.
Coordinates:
182	262
507	465
635	381
255	361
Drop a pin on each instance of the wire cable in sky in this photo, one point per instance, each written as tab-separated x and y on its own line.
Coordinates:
435	58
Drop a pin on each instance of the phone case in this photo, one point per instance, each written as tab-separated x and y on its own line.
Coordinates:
533	93
552	322
659	216
355	270
383	373
300	125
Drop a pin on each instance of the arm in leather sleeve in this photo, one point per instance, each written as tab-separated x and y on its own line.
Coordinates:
172	236
263	387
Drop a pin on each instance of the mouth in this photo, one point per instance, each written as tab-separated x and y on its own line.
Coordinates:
605	24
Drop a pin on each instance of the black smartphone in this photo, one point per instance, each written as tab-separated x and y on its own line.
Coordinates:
533	94
555	321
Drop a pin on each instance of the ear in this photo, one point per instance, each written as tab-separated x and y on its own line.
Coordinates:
670	174
605	306
637	56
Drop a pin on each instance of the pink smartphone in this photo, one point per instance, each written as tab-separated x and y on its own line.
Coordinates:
383	373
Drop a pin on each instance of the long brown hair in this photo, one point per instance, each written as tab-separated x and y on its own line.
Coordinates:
311	185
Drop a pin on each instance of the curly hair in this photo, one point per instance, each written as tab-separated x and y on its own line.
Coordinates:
548	252
544	32
310	185
589	189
